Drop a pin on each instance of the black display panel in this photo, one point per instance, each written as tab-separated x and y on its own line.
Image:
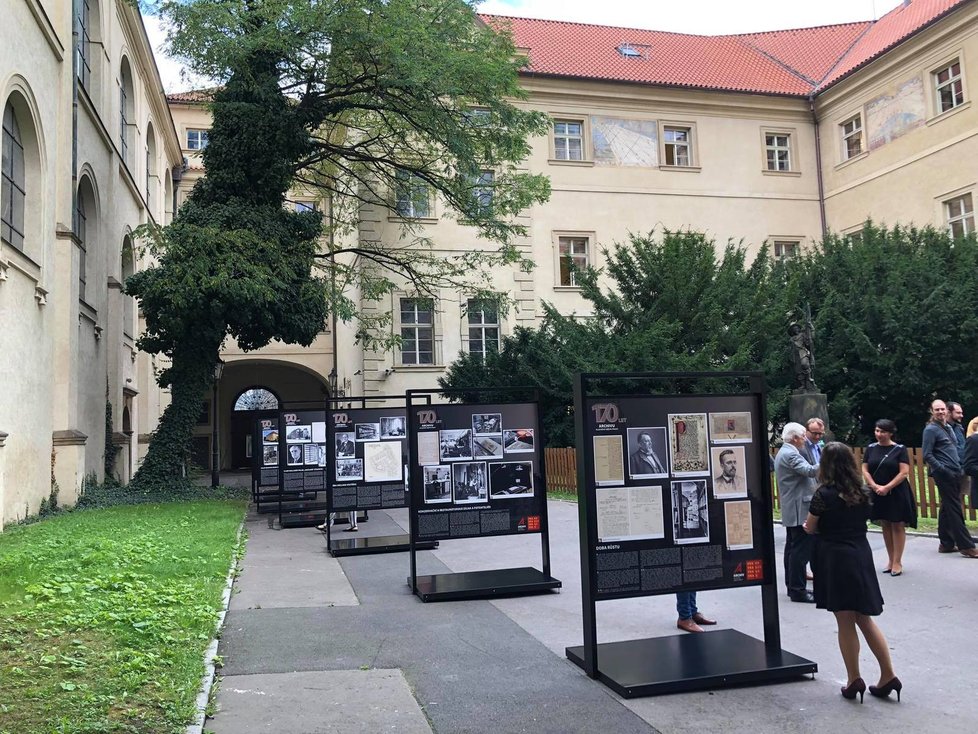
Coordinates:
302	450
266	458
676	494
478	470
366	458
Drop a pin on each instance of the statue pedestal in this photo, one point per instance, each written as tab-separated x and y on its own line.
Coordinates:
806	405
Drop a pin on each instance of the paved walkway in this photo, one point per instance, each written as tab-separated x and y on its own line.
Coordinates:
317	644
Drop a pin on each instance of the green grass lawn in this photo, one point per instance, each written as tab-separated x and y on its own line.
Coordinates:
105	616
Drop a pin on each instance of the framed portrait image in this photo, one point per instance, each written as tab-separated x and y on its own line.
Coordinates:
294	455
470	482
346	447
647	458
729	472
437	484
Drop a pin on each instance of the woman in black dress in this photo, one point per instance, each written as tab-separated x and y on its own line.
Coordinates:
885	468
842	562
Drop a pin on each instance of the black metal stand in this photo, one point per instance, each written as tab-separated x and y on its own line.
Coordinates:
680	663
483	584
376	544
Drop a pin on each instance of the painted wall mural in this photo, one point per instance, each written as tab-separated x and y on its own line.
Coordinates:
624	142
896	113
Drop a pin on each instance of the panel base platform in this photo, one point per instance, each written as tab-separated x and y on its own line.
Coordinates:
484	584
357	546
690	662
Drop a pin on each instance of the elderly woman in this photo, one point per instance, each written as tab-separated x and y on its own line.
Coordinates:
886	465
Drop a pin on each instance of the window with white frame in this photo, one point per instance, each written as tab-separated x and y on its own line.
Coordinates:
81	231
677	142
568	140
13	182
777	150
959	215
852	137
948	86
304	206
197	139
83	46
477	116
127	113
482	190
482	320
786	249
412	196
417	330
573	252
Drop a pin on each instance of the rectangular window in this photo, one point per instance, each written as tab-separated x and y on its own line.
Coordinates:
13	182
786	249
678	142
482	315
476	116
84	44
417	331
959	214
197	139
482	190
123	122
82	232
949	87
304	206
778	151
852	137
573	254
568	140
412	196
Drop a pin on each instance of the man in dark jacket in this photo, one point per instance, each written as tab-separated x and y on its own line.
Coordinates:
940	449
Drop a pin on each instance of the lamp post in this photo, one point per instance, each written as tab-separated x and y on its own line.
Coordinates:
215	454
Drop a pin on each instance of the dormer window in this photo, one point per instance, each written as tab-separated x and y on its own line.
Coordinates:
629	51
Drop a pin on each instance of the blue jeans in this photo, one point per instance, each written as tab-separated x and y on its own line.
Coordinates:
686	604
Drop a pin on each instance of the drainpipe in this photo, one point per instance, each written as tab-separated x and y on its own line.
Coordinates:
818	167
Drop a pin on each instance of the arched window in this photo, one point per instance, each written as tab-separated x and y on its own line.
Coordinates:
167	197
85	230
127	113
13	182
88	45
256	398
152	172
128	303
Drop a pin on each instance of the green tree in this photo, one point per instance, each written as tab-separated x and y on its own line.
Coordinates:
351	100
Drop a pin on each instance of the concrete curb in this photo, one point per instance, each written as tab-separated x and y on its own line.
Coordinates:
210	671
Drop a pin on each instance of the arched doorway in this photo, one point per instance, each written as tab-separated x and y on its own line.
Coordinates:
246	408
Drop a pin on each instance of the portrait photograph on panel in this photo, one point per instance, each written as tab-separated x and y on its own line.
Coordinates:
486	423
688	455
437	484
455	444
690	512
509	479
391	427
729	472
487	447
647	458
367	431
730	428
346	447
470	483
270	454
298	434
518	440
293	455
349	470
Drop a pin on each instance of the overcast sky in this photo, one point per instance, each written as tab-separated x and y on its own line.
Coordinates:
709	17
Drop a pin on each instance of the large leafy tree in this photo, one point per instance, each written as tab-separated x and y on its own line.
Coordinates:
352	100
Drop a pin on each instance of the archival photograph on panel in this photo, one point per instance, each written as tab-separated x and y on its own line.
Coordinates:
269	435
730	428
293	455
690	512
688	453
729	472
739	525
382	462
311	455
609	467
349	470
437	484
346	447
630	513
471	482
392	427
298	434
270	454
487	423
323	454
647	453
518	440
428	448
511	479
455	444
319	432
367	431
487	447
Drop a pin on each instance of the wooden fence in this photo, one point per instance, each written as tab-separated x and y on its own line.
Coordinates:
562	477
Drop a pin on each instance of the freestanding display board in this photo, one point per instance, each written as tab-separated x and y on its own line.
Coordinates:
366	464
674	495
479	472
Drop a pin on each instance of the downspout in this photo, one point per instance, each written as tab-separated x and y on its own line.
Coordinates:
818	167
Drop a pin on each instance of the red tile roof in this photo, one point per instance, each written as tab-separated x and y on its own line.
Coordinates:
791	62
194	96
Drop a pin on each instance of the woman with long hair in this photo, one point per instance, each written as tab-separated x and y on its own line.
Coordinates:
842	561
886	466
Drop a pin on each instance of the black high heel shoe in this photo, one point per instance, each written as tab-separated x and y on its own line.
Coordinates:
857	686
884	690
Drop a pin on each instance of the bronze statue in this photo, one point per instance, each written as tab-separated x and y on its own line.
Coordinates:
802	346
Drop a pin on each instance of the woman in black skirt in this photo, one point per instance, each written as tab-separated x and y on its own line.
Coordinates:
886	465
842	562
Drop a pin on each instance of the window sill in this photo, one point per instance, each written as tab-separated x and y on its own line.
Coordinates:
419	367
788	174
412	220
13	257
564	162
948	113
681	169
572	288
849	161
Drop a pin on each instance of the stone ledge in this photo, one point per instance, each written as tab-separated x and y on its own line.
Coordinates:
71	437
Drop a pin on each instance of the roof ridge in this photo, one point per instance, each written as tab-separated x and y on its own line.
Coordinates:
799	28
596	25
844	54
783	64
